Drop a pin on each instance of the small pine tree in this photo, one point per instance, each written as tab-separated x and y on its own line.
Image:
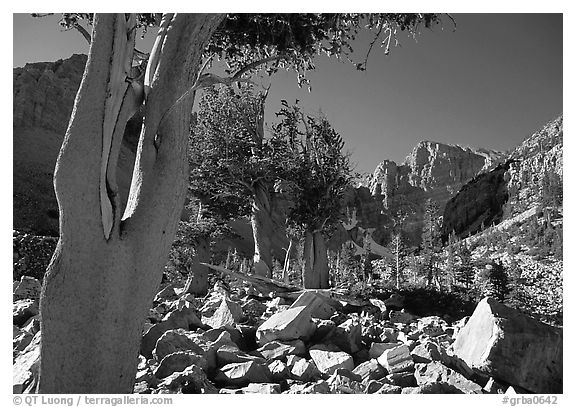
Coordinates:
464	273
492	281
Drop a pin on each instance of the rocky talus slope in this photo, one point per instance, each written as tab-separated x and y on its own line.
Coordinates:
237	340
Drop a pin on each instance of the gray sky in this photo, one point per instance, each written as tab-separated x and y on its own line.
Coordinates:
490	83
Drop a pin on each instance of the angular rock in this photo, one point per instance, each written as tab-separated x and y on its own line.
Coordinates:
21	341
512	347
184	318
279	370
436	372
178	362
329	361
32	326
342	381
370	370
241	374
227	315
293	323
305	370
228	354
27	288
387	388
23	310
427	352
320	306
319	387
402	379
432	388
172	341
192	380
397	359
25	367
278	350
262	388
347	336
432	326
378	348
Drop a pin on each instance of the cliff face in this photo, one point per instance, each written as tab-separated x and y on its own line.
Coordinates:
481	201
44	94
432	171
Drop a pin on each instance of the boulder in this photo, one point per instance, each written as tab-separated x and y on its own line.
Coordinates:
436	372
172	341
23	310
397	359
27	288
342	381
262	388
25	367
231	354
327	360
184	318
512	347
320	306
279	370
387	388
293	323
241	374
319	387
304	370
378	348
370	370
432	388
347	336
278	350
227	315
427	352
177	362
191	380
402	379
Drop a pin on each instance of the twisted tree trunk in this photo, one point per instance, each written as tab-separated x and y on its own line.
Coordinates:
107	267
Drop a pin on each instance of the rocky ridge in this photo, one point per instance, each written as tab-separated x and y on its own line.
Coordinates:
480	202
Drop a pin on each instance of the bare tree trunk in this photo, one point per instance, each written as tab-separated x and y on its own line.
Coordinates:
286	270
197	282
316	272
262	229
106	268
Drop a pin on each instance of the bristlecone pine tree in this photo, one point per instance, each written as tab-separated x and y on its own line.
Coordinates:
91	328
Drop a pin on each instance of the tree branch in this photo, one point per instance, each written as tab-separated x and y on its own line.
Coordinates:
209	79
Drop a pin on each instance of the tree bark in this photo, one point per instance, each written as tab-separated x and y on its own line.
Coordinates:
101	281
262	229
198	279
316	272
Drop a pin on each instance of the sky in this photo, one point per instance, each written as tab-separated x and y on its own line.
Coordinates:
490	83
